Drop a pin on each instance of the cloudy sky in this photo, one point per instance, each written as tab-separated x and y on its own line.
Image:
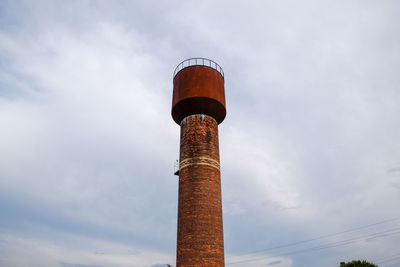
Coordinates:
310	149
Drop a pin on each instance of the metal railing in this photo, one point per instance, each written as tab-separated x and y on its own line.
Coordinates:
199	61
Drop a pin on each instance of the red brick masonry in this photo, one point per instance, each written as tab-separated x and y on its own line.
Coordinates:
200	235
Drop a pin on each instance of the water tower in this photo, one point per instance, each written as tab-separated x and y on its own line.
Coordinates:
198	106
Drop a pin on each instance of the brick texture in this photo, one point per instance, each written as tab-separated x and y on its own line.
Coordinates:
200	234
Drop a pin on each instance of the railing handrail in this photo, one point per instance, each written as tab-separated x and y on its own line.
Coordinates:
199	61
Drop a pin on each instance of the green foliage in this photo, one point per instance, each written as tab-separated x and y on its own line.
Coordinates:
358	264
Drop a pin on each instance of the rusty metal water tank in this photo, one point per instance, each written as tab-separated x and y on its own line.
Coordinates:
198	89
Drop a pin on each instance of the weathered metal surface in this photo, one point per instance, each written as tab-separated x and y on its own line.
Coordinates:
198	90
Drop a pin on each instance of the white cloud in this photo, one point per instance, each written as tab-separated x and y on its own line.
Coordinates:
75	251
88	144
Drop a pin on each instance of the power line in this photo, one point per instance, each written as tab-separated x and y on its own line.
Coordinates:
329	245
301	251
318	238
388	260
383	258
394	264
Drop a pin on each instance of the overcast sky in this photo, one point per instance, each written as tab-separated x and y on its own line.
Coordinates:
310	150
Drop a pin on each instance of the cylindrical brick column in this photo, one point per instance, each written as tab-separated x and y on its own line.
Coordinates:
200	235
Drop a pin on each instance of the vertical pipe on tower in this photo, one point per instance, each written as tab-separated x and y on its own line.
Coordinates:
198	106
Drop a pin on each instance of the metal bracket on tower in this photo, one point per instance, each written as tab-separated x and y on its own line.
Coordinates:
176	168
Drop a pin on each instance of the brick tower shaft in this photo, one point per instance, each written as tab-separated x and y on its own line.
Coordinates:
200	236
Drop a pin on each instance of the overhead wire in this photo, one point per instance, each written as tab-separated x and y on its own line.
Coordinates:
317	238
385	233
397	264
388	260
383	258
